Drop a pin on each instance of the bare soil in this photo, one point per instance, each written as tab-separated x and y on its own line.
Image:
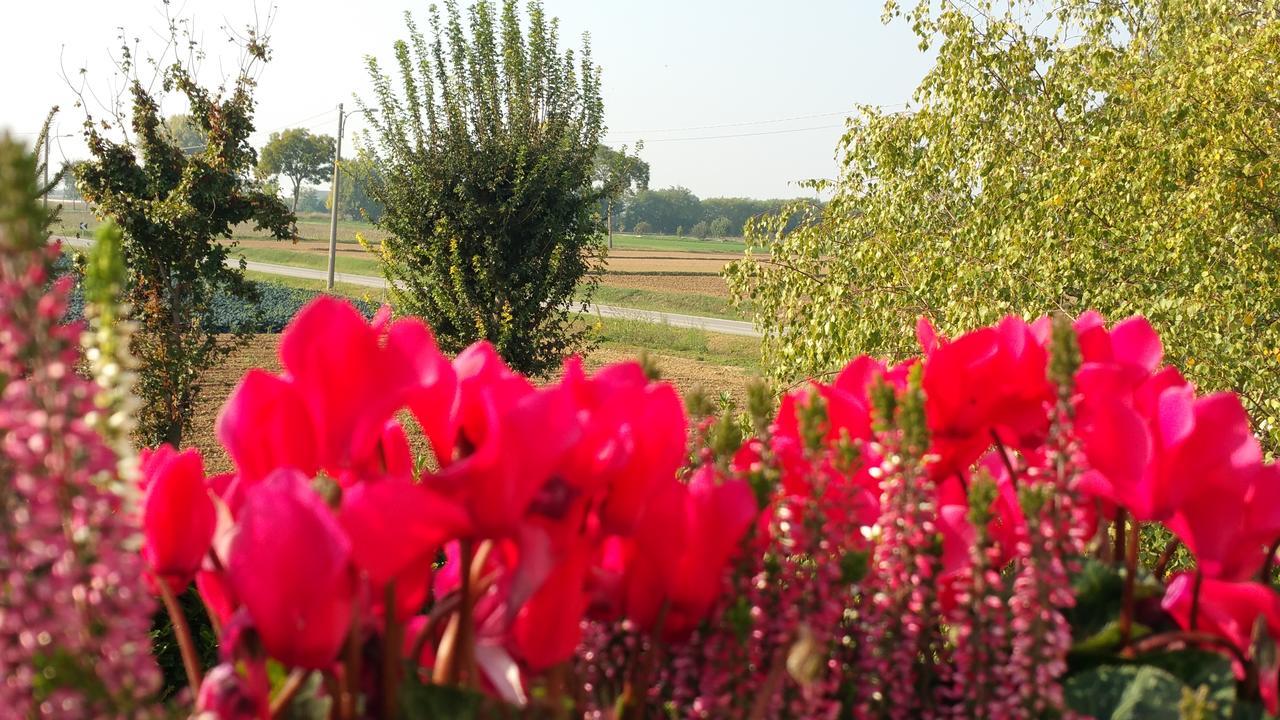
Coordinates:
712	285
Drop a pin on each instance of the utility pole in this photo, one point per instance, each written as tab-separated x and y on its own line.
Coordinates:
333	200
46	172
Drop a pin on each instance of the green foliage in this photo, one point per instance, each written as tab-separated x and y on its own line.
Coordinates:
1117	155
719	227
274	307
642	228
700	230
186	133
666	211
355	202
486	144
1183	685
299	156
424	701
621	172
173	207
68	173
1095	618
618	175
316	201
1125	692
41	152
164	641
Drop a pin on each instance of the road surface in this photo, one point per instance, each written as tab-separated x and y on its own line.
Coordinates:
698	322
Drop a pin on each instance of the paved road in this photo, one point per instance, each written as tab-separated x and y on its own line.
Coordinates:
708	324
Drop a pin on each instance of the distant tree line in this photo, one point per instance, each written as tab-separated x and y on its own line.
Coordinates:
677	211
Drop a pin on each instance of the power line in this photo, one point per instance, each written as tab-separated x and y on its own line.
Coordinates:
735	124
752	122
296	122
739	135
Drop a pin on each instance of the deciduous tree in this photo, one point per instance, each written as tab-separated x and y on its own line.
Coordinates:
176	209
299	156
185	133
1118	155
356	203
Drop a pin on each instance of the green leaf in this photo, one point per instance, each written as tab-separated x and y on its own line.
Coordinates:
1108	638
1095	619
1125	692
424	701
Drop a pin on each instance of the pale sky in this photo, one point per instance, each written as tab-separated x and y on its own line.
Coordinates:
779	76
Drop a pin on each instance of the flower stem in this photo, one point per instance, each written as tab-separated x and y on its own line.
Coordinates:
351	669
1004	457
772	681
391	642
465	650
287	692
1270	563
1165	557
190	662
1130	576
1118	550
1195	600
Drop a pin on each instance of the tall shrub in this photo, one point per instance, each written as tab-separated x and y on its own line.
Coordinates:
1117	155
486	141
176	207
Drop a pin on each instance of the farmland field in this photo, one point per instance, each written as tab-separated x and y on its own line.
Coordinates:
646	272
316	227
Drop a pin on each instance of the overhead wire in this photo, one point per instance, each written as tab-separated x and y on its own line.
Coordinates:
738	135
735	124
748	123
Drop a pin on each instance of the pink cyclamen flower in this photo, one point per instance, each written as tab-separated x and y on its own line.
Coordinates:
289	564
682	548
1230	513
988	381
329	410
178	516
396	527
511	439
634	435
1230	610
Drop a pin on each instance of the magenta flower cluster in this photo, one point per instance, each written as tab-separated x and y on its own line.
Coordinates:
72	598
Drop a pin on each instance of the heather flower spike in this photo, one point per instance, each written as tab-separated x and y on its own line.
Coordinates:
74	609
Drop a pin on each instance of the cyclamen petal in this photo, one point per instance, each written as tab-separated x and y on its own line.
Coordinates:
350	385
393	523
178	516
519	443
548	627
1134	342
1226	609
432	397
264	425
290	566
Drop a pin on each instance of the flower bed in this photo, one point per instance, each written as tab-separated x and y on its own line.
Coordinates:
956	535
